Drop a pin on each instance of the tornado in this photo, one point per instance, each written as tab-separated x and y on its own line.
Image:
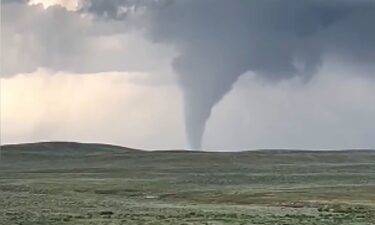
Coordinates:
202	87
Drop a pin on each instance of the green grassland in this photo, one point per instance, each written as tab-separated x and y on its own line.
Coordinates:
72	183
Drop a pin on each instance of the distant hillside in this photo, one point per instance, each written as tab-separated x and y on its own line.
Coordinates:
58	148
70	154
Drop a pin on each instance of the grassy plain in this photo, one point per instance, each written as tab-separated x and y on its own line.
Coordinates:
72	183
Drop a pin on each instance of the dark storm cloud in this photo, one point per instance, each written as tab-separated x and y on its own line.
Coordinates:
219	40
32	37
70	41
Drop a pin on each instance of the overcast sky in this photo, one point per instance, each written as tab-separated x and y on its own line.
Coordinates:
212	74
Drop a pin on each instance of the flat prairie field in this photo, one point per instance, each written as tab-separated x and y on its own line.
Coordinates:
80	184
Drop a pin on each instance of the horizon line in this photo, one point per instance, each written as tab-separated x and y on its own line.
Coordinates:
219	150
